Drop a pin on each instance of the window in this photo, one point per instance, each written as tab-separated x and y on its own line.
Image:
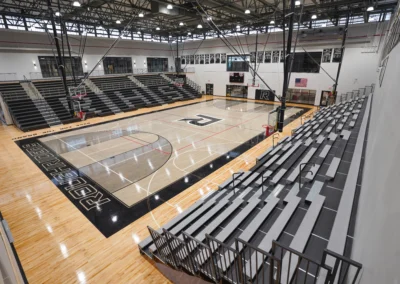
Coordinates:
157	64
48	65
301	96
304	62
117	65
238	63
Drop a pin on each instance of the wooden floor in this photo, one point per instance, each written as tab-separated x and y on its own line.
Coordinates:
57	244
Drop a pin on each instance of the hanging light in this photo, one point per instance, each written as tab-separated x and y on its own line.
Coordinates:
189	33
370	8
181	24
199	26
209	18
297	3
76	4
58	14
238	27
141	15
314	16
169	7
117	21
157	28
139	33
272	22
247	11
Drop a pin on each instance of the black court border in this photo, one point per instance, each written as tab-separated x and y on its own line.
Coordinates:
113	216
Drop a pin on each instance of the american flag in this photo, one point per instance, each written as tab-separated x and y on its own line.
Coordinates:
300	82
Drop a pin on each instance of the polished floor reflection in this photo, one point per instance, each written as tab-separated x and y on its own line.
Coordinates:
142	161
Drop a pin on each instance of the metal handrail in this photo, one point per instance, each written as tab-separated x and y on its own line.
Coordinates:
8	77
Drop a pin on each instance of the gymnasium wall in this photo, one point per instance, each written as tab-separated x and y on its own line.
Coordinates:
358	69
377	232
19	49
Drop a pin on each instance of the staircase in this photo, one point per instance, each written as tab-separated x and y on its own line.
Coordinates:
136	81
167	78
92	86
47	112
114	108
31	90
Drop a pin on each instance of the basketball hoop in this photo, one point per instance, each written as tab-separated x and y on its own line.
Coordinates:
269	129
251	84
79	96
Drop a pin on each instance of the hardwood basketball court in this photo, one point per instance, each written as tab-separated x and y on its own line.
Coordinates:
42	219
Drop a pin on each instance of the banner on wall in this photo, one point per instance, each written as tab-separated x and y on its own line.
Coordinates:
267	57
201	58
252	57
337	55
282	56
300	82
217	58
326	55
275	56
260	55
212	61
223	58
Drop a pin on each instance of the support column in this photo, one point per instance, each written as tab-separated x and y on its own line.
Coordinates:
346	28
287	64
59	58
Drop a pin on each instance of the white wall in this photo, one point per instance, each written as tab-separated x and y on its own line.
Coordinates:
358	68
377	234
19	49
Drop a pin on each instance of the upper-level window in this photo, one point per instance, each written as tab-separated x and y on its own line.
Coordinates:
304	62
238	63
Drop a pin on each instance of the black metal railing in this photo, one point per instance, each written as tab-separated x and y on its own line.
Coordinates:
296	267
163	249
243	262
202	257
229	264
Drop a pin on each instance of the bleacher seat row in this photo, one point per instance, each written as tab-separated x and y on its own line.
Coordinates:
230	233
117	94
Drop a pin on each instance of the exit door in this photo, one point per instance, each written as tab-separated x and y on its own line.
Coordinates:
210	89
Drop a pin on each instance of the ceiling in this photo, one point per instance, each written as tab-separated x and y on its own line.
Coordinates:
100	16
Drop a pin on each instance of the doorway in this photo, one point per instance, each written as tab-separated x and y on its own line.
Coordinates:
210	89
324	98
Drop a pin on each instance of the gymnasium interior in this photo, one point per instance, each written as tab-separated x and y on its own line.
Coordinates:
199	141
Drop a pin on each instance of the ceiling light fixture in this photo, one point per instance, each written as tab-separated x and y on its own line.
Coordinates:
76	4
181	24
247	11
370	8
169	7
209	18
189	33
118	21
199	26
314	17
272	22
58	14
157	28
141	15
238	27
297	3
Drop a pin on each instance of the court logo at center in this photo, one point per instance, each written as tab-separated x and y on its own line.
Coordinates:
203	120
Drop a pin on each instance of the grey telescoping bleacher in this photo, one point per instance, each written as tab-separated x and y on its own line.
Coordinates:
264	197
